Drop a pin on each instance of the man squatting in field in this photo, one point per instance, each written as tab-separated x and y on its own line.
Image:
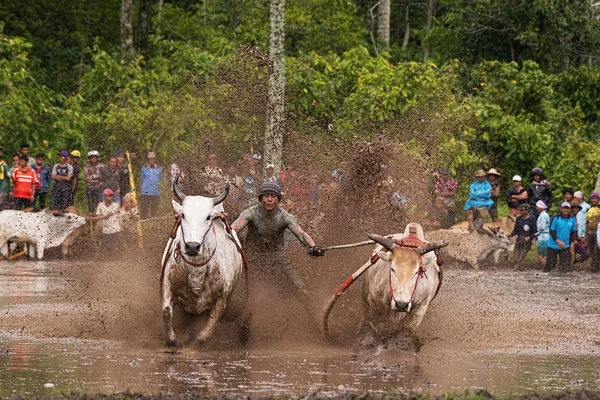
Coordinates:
264	243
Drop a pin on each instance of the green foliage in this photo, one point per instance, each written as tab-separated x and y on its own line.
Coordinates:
31	112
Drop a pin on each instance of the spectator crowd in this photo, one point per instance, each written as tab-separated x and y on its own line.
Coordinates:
571	236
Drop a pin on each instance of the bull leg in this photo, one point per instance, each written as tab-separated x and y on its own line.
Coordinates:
167	307
415	317
39	250
213	319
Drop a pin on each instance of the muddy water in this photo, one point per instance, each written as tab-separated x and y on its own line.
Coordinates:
530	339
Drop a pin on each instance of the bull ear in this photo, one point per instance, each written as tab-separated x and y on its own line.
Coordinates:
176	206
385	256
426	248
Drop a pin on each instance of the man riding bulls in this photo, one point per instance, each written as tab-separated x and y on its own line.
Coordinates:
264	244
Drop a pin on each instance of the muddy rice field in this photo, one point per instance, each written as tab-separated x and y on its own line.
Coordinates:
93	324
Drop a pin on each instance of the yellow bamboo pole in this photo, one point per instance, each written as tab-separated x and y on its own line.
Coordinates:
134	198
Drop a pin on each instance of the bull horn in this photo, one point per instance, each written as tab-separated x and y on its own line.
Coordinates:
385	242
426	248
178	193
222	196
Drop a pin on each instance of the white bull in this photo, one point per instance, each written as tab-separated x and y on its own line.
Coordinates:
42	230
202	265
398	288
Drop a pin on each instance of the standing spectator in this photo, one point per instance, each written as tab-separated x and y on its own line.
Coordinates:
123	170
525	230
24	189
108	213
61	191
5	181
543	227
592	219
480	199
579	245
445	190
151	178
110	180
493	176
174	171
16	162
580	217
213	177
74	161
43	180
568	194
93	178
579	196
516	195
25	152
539	189
129	216
563	233
270	174
341	172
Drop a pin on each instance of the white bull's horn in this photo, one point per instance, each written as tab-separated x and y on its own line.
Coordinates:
426	248
385	242
178	193
222	196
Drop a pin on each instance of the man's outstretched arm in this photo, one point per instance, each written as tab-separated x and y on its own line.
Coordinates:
241	222
303	237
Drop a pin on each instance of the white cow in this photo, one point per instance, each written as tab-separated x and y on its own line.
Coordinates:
41	230
398	288
202	265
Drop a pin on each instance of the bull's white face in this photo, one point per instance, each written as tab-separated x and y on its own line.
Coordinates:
197	214
404	271
73	221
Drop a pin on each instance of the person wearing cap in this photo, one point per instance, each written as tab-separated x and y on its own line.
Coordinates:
563	234
24	180
592	219
266	224
93	178
61	191
5	182
579	247
270	174
75	155
525	230
110	179
25	150
543	227
151	177
43	176
123	173
492	177
516	195
108	213
539	189
480	199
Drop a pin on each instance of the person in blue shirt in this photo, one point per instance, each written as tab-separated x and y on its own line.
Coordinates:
563	234
151	177
480	199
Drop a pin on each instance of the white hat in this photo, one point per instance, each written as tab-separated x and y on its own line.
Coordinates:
565	204
578	194
270	165
541	204
517	178
93	153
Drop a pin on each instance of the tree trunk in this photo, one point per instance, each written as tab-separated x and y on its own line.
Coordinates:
430	13
276	108
143	24
127	29
85	41
383	23
407	27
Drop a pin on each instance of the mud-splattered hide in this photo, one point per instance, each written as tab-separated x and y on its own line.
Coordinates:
397	290
202	265
41	230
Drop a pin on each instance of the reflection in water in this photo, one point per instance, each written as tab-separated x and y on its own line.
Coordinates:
27	365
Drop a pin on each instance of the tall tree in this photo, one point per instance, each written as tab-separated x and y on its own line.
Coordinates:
428	25
127	29
143	24
276	109
383	23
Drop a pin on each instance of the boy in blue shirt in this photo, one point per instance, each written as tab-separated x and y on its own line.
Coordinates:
563	234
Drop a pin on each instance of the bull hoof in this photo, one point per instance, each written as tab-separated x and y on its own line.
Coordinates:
172	343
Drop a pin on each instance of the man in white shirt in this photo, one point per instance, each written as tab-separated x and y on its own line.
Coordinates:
108	212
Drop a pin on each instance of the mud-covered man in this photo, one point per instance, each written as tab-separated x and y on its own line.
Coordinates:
264	244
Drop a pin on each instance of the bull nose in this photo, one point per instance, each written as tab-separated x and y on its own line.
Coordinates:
402	307
192	248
